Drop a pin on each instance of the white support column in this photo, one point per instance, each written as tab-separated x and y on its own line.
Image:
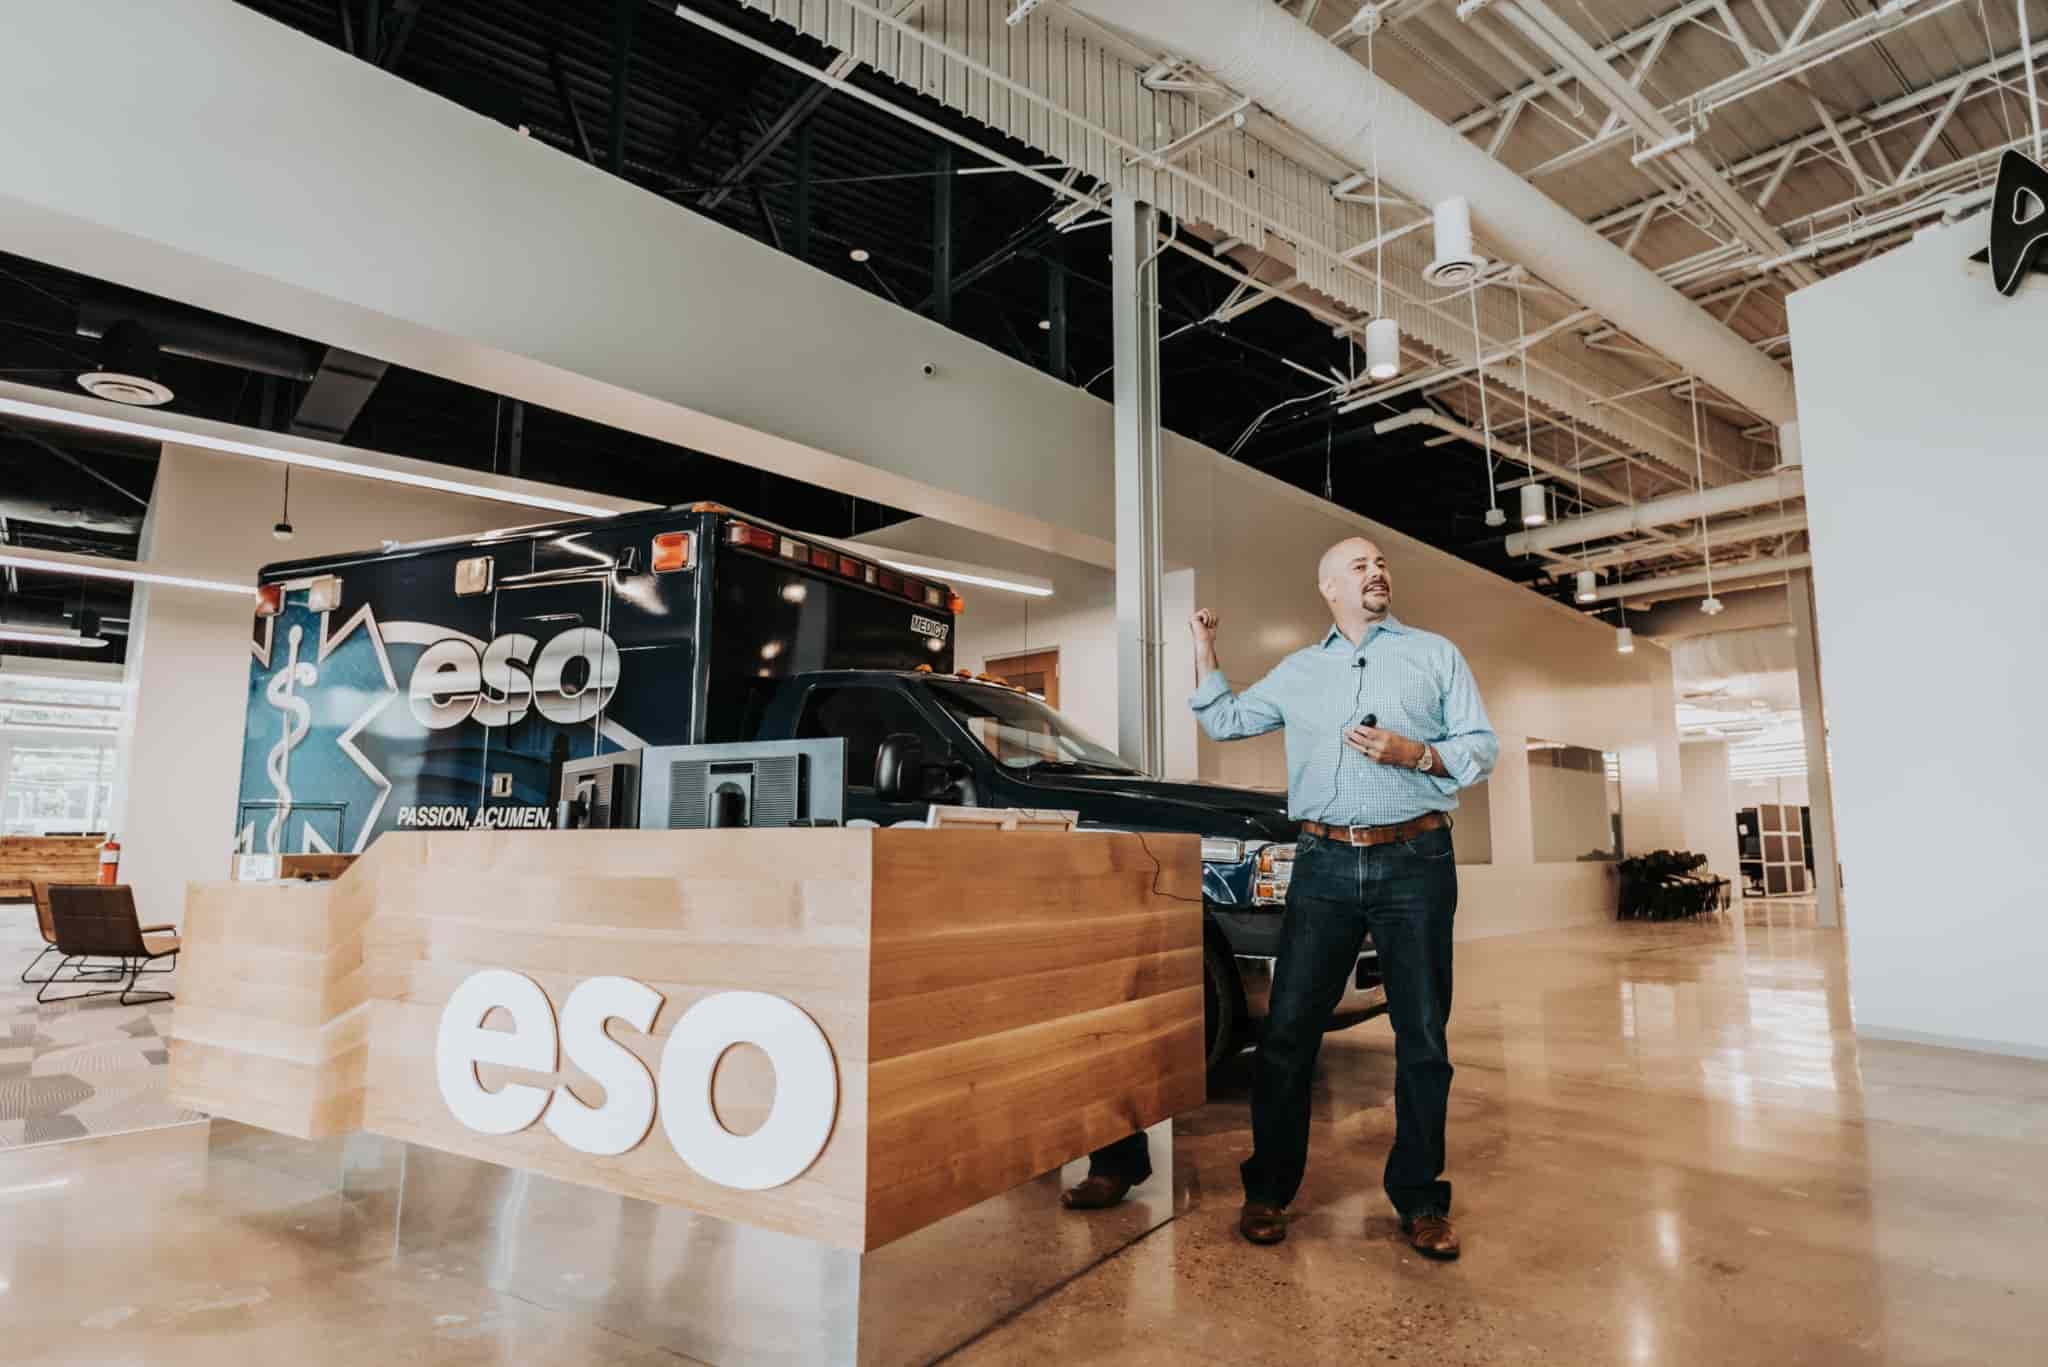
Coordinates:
1139	565
1827	882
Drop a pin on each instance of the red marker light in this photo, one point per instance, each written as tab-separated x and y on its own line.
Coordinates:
753	538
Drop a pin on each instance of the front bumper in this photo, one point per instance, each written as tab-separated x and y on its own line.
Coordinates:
1363	995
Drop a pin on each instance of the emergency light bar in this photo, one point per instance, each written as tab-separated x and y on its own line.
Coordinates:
753	538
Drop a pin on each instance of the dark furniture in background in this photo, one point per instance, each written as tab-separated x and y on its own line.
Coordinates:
1776	849
1665	885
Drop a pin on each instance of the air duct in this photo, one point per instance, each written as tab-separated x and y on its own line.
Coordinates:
1502	451
1659	512
1681	585
1262	51
184	331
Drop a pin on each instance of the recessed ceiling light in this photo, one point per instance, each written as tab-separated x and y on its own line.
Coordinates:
1045	325
859	254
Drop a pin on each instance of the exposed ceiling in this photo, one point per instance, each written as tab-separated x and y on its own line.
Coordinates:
1735	147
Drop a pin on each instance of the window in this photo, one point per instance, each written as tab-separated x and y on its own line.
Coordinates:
57	789
57	753
1575	802
1021	732
866	716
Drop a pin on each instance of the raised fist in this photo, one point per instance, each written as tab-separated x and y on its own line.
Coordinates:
1203	624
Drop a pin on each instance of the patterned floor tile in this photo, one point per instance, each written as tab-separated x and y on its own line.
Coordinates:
69	1069
46	1129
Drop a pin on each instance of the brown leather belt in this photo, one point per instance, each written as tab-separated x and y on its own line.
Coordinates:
1378	835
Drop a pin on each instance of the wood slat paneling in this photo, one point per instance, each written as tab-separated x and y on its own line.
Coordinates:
1084	951
1024	997
26	859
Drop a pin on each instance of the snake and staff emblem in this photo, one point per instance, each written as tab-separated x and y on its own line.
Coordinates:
298	720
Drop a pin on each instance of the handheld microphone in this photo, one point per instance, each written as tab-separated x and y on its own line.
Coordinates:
1369	719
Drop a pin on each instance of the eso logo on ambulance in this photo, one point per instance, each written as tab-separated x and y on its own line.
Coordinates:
798	1124
573	677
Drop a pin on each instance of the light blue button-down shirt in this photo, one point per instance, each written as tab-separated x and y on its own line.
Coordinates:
1415	682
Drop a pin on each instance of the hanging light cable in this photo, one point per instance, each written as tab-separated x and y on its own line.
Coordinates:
1589	580
1494	516
1624	639
1710	605
1535	503
283	530
1382	334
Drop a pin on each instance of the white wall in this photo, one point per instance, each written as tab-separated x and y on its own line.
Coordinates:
188	650
1710	807
1783	792
1568	813
1924	422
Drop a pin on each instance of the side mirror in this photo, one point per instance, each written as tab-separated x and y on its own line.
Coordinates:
899	769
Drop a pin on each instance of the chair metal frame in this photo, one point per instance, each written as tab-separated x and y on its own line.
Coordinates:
130	960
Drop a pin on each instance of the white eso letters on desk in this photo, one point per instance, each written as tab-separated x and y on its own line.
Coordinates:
798	1124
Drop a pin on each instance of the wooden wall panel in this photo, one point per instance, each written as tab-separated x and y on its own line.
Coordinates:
272	1025
26	859
1035	996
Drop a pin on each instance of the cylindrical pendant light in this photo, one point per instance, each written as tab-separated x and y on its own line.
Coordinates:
1456	264
1589	582
1535	505
1712	606
1383	348
1496	517
1624	641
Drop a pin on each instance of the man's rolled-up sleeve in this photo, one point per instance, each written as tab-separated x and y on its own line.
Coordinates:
1234	716
1468	746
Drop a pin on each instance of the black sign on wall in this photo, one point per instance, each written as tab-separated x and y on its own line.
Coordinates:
2019	220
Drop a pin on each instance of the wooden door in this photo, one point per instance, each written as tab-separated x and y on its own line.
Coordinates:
1037	672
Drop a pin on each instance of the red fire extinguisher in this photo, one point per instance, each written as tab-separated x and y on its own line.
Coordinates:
110	861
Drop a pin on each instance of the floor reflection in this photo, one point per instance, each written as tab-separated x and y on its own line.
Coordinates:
1668	1147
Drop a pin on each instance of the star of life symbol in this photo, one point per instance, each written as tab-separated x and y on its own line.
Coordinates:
282	692
298	720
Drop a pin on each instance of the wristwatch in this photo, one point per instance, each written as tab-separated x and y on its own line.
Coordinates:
1423	765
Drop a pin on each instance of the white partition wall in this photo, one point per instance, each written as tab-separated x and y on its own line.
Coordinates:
1925	424
188	649
1710	808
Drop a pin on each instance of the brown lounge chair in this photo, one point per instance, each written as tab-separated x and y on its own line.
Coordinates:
96	923
40	890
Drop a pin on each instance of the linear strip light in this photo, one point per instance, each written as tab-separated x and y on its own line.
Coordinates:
81	565
103	422
1033	587
31	636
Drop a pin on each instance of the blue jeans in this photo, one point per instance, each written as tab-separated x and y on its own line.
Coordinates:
1405	895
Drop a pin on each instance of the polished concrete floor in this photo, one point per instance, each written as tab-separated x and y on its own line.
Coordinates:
1667	1146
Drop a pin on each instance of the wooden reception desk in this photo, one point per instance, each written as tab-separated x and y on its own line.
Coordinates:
991	1005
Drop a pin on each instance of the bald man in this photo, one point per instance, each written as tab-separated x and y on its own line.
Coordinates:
1384	727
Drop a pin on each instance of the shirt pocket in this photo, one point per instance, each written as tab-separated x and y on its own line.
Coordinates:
1420	698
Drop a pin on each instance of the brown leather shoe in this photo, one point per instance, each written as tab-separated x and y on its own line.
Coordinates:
1095	1193
1261	1223
1432	1237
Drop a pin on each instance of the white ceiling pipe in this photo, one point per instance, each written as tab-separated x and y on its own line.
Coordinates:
1503	451
1683	585
1725	534
1263	51
1658	512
